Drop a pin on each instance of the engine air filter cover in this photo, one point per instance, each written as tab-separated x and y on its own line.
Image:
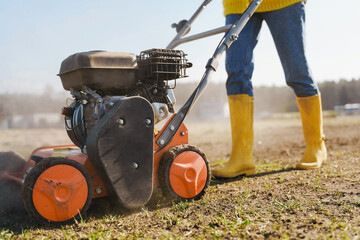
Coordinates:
99	70
163	64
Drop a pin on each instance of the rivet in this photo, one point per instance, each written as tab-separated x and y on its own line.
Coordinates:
161	142
120	121
98	190
182	133
172	128
134	165
148	121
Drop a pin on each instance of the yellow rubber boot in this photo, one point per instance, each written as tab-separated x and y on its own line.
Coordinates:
311	117
241	160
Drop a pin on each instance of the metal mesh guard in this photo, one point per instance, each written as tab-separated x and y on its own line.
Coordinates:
163	64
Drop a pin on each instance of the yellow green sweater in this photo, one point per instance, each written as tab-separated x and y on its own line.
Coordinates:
239	6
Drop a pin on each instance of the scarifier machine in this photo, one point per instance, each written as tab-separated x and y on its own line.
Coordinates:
118	152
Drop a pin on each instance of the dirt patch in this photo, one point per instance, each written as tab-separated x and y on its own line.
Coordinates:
278	202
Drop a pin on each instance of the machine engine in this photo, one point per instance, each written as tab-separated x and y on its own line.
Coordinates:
98	79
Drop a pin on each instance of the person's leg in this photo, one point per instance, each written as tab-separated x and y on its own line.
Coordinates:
287	27
239	61
311	118
239	65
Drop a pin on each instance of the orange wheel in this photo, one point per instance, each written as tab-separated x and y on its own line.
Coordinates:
184	173
57	191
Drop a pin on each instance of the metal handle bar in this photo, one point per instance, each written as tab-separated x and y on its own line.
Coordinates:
211	67
178	41
187	25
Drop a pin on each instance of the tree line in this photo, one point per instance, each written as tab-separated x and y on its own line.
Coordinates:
270	99
333	93
274	99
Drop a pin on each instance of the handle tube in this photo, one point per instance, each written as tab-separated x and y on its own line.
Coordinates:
186	27
194	37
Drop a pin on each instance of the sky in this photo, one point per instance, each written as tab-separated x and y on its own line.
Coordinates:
36	36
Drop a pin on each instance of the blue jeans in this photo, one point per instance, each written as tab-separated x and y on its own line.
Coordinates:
287	26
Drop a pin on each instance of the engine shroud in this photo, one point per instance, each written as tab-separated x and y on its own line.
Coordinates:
99	70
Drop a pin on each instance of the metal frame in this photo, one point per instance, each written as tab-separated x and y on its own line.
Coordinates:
231	35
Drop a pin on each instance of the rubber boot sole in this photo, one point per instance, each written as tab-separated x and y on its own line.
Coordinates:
237	174
307	166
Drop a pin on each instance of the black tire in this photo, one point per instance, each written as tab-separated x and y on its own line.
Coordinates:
32	177
164	172
10	191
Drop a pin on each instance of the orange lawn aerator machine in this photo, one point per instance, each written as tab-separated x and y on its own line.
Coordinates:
117	100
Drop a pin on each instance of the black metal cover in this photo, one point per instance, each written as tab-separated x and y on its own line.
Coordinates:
99	70
121	147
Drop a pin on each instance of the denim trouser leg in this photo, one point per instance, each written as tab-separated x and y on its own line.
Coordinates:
287	28
239	57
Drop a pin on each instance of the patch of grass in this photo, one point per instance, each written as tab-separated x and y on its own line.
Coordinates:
182	206
218	163
289	206
277	226
111	218
98	234
6	234
25	233
275	165
280	179
170	220
322	210
68	233
318	185
268	186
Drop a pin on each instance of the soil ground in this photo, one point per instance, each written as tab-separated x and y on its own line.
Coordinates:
279	201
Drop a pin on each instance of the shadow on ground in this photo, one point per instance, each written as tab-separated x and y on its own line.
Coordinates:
221	180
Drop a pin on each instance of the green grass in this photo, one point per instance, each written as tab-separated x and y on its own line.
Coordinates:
6	234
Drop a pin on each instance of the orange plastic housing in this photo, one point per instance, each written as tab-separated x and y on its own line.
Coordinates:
54	197
188	174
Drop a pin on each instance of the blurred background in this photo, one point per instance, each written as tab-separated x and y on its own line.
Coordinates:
37	35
